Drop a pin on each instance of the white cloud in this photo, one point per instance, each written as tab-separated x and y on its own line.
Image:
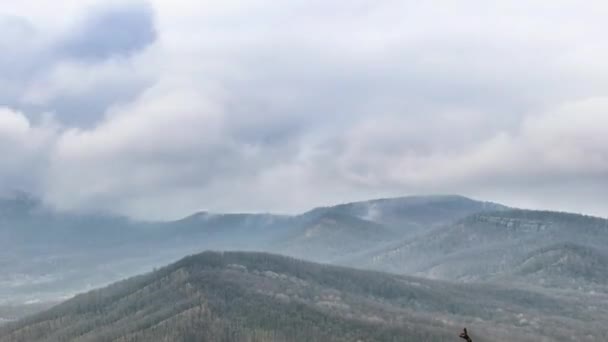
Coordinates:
74	79
308	102
24	149
12	124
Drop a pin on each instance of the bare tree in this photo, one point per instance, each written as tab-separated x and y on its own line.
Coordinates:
465	335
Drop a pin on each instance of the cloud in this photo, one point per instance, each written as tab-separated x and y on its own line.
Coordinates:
24	148
259	106
80	94
552	159
170	143
110	32
80	69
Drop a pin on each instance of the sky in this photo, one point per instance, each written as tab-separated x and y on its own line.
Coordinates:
157	109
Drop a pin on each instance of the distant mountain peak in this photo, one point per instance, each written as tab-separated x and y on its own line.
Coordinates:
18	196
199	215
18	203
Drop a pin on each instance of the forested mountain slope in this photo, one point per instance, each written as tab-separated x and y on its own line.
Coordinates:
331	237
260	297
564	265
413	214
485	246
47	255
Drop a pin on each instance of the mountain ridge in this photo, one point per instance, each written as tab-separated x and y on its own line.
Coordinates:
449	238
69	252
244	296
487	245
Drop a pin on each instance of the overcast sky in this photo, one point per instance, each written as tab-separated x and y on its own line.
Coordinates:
158	109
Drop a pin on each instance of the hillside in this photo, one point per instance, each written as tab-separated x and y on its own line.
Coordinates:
331	237
260	297
236	231
48	255
413	214
565	265
488	246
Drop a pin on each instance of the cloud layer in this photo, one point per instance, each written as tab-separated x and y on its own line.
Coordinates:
159	109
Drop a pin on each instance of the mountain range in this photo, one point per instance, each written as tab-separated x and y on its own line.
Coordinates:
49	255
486	254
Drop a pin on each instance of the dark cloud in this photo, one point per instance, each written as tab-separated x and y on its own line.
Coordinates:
76	75
111	32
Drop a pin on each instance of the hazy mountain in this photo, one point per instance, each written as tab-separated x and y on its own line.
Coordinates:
331	236
329	233
410	215
485	246
18	204
228	231
48	256
261	297
564	265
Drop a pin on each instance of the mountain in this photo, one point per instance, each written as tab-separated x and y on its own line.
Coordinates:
488	246
240	296
47	255
331	236
231	231
565	265
326	234
414	214
17	204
